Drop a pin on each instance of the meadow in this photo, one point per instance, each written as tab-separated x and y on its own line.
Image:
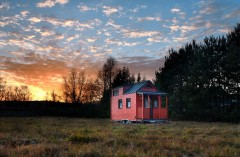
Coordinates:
60	136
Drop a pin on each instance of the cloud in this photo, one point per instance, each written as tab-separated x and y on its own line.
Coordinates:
179	39
135	10
91	40
139	34
38	70
35	19
174	20
109	10
144	64
71	23
46	33
24	13
153	39
178	12
59	37
207	10
4	6
69	39
235	13
51	3
9	20
141	19
175	10
58	22
84	8
94	48
111	23
183	28
117	42
21	43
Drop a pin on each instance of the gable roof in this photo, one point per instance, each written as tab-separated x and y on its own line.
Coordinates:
136	88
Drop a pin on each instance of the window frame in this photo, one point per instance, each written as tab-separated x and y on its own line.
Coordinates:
128	100
115	92
120	102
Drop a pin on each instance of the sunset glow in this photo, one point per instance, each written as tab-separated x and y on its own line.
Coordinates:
38	93
41	40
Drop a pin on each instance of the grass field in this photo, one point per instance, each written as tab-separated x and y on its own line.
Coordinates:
45	136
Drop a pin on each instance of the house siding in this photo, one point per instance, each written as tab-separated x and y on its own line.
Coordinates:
124	113
137	111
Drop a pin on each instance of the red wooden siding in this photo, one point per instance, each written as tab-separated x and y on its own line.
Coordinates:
124	113
137	111
139	106
164	111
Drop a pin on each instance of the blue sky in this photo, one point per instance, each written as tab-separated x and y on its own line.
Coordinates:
40	40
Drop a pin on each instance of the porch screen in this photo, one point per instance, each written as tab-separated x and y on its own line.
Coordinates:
146	104
163	101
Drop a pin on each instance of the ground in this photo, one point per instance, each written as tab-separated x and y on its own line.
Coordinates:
47	136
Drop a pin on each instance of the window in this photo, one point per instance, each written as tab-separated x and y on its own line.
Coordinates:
120	105
163	101
146	104
155	103
115	92
128	103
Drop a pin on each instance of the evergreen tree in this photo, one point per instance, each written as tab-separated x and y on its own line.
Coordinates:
123	77
139	77
201	78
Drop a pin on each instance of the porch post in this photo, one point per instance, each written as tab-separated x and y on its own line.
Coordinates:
149	112
167	105
159	106
142	106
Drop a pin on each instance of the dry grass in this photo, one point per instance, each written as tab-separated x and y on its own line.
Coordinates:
89	137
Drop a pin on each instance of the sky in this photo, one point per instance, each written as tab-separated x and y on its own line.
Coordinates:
41	40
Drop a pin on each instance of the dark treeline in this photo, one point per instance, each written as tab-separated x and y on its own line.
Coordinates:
50	108
203	79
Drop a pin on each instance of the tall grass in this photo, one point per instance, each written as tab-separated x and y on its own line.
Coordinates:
96	137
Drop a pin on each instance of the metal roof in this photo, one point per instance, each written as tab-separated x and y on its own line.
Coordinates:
152	93
135	87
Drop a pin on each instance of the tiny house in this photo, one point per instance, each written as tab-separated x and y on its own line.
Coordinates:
138	102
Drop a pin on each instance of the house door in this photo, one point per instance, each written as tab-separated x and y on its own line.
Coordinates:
151	107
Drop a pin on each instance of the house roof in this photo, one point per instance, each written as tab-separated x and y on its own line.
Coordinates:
152	93
135	88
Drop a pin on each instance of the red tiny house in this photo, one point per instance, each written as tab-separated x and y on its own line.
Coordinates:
138	102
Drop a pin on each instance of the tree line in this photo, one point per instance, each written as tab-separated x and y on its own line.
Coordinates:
203	79
13	93
79	88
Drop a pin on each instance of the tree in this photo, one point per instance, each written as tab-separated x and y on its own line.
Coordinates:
17	93
139	77
55	97
105	77
73	86
201	78
2	89
108	73
123	77
232	62
91	92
